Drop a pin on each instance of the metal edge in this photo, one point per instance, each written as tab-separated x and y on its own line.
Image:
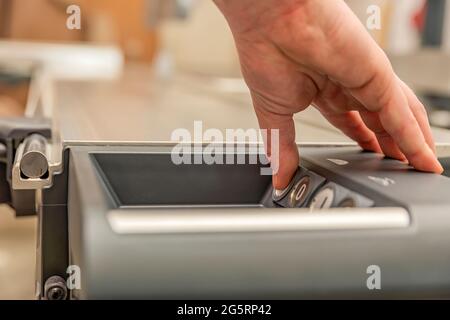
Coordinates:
219	220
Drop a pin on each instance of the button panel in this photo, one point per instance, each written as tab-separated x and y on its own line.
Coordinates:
308	189
333	195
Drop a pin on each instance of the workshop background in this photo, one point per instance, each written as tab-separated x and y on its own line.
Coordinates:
192	36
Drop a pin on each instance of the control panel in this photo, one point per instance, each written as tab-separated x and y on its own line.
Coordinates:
309	189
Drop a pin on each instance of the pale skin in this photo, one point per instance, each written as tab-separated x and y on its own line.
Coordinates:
300	53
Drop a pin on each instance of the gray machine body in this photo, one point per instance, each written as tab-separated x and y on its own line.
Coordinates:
414	260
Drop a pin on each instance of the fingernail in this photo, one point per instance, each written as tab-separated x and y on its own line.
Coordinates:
278	194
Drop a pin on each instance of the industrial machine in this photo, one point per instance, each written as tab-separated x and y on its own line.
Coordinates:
119	219
138	226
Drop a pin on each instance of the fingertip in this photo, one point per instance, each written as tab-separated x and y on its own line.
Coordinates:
372	146
395	154
282	179
288	165
427	161
280	183
439	168
436	168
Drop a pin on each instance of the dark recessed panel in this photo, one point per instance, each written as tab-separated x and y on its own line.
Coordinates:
153	179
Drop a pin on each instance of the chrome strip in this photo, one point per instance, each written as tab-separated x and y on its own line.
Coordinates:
218	220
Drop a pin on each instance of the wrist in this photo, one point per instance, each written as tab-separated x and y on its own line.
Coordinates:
239	13
247	15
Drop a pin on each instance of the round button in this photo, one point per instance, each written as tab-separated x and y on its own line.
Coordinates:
347	203
299	192
323	199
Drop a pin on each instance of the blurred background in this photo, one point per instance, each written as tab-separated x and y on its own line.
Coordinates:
168	37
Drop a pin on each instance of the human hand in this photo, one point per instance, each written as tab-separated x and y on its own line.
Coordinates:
297	53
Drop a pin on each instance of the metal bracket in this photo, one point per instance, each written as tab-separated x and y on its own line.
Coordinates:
20	137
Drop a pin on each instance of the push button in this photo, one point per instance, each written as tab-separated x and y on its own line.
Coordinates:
300	192
333	195
324	199
355	200
347	203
